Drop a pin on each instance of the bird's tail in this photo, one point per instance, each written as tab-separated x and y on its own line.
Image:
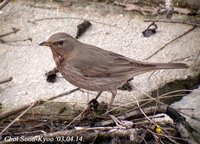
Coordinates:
171	66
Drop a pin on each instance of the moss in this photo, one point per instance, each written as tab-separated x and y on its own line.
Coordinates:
187	84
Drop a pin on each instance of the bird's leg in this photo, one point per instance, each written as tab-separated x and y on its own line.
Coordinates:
128	86
98	95
114	92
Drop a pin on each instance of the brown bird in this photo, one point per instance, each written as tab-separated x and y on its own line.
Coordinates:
96	69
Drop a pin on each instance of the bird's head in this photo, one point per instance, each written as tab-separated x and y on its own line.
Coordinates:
59	41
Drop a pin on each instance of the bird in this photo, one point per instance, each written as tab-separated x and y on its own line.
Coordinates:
96	69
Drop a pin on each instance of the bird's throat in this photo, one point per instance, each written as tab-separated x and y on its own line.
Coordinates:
57	56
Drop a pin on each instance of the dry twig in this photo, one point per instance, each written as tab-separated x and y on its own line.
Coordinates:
151	10
144	112
17	118
86	109
63	94
6	80
133	7
170	43
14	30
4	3
21	40
149	100
188	22
88	134
76	18
38	102
19	109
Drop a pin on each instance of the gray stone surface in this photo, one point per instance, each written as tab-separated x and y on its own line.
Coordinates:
191	101
27	62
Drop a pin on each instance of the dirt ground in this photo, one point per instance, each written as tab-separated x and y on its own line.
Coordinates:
112	29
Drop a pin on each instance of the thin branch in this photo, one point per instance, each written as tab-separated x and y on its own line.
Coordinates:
63	94
144	112
164	96
14	30
4	3
17	110
197	57
76	18
77	117
20	40
17	118
174	21
147	95
88	134
133	7
170	43
39	102
117	122
6	80
136	113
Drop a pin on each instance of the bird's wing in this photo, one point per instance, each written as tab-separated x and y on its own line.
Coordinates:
96	62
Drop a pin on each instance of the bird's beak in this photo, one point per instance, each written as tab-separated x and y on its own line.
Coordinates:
45	43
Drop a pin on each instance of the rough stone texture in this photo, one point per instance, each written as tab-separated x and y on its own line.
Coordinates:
191	101
27	62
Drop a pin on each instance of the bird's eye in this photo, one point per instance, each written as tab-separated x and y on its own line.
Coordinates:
59	42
